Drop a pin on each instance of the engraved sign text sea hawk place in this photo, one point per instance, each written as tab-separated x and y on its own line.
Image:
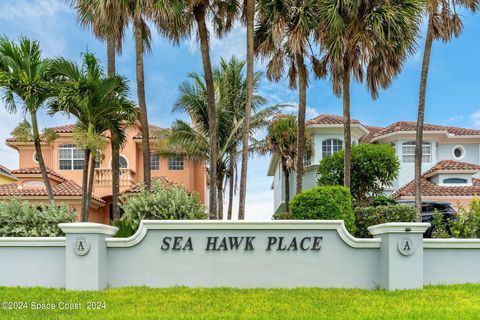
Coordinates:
247	243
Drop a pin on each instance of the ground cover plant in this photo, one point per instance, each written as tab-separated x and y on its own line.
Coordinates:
438	302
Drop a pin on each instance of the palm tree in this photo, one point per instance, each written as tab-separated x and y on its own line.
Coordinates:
24	74
282	36
99	103
108	22
443	24
369	40
193	141
183	16
281	140
250	22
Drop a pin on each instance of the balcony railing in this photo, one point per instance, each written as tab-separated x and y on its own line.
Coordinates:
103	177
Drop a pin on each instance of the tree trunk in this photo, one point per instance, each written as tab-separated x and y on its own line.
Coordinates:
220	199
111	55
41	161
420	120
115	180
91	177
347	135
199	12
286	174
231	185
84	210
142	103
302	105
250	16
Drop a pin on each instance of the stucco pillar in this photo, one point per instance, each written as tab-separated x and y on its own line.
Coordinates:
401	254
86	255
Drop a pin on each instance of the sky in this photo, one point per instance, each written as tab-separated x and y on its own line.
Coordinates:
453	93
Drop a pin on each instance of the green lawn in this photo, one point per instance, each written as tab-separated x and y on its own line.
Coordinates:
439	302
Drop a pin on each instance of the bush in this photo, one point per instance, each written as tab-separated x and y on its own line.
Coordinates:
125	228
162	203
21	219
370	216
324	203
383	200
373	167
468	221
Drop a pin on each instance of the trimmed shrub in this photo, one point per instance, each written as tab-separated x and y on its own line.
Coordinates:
125	228
383	200
324	203
22	219
370	216
162	203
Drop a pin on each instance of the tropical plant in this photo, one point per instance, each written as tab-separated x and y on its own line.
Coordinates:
99	103
250	23
161	202
281	141
443	23
24	75
324	203
108	22
22	219
192	141
369	40
374	166
183	16
283	38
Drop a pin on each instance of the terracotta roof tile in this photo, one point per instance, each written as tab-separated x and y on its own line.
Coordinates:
411	126
431	189
66	188
152	131
372	132
162	179
329	119
36	170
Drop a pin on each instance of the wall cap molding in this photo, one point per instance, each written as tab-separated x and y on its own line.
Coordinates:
451	243
399	227
338	225
32	241
88	227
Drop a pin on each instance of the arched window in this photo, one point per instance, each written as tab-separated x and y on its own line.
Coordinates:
70	157
123	163
455	181
331	146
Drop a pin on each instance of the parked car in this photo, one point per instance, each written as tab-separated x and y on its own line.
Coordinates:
429	208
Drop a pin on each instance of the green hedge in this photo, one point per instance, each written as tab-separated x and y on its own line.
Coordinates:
22	219
369	216
324	203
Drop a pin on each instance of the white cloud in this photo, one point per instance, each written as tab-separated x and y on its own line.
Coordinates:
475	119
8	156
455	118
292	108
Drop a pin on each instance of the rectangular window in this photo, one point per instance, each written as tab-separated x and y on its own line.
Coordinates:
175	163
408	152
154	161
307	160
70	158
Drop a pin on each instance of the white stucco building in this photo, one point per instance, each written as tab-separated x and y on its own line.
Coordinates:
451	158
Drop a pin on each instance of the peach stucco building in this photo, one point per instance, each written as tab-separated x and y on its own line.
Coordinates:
65	163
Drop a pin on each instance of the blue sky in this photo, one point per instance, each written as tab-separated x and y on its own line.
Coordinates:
453	96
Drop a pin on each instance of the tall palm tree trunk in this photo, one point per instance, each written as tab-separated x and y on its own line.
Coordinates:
115	180
111	55
347	135
220	198
199	12
142	103
250	17
91	177
231	185
420	120
302	105
286	174
84	210
113	145
41	161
